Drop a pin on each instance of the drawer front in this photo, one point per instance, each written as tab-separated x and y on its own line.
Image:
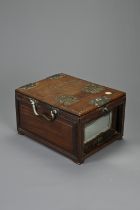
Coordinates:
58	132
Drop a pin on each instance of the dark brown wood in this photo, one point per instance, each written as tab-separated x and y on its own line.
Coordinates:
65	133
48	144
68	93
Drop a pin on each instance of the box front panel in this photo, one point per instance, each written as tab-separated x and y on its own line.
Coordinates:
59	132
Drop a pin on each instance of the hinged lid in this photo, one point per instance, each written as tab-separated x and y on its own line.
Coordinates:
71	94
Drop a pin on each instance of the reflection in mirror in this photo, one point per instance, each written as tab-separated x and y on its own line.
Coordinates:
96	127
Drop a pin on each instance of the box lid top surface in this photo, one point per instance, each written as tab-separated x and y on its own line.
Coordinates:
71	94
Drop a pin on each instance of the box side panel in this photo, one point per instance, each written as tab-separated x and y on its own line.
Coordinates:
106	136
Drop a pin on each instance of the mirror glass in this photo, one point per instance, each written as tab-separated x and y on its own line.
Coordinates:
94	128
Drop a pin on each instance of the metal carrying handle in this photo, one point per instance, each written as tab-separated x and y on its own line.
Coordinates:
52	114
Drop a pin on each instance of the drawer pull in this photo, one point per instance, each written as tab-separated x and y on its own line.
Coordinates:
53	112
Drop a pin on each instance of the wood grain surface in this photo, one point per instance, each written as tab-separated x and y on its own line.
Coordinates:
76	93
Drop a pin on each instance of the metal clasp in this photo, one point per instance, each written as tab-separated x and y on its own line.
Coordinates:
53	112
105	110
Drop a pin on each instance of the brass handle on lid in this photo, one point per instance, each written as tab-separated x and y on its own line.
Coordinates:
53	112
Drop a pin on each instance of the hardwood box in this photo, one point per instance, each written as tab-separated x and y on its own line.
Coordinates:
70	115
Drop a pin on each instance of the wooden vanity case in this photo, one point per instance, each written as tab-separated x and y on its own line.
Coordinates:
70	115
